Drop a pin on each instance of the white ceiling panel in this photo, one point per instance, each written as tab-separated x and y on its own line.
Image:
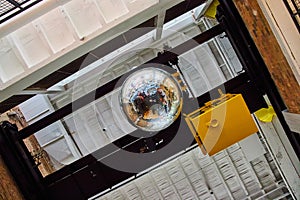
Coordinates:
112	9
9	59
30	44
57	33
84	17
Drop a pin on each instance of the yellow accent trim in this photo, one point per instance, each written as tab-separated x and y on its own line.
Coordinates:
212	9
265	114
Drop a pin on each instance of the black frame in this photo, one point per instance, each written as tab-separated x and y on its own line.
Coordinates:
15	8
87	176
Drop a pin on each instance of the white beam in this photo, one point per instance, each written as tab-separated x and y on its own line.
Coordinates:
199	12
159	20
34	92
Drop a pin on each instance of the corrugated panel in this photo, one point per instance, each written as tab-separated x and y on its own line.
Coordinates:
226	175
34	107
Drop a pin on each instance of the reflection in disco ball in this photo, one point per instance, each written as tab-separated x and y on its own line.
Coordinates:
151	99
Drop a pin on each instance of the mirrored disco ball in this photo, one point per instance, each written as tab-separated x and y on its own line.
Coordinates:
151	99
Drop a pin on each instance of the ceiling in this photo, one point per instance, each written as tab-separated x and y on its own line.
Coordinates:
49	42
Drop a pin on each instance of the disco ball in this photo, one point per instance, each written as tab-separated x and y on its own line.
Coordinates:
151	99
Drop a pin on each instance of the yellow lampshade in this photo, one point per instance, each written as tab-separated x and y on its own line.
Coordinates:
219	125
